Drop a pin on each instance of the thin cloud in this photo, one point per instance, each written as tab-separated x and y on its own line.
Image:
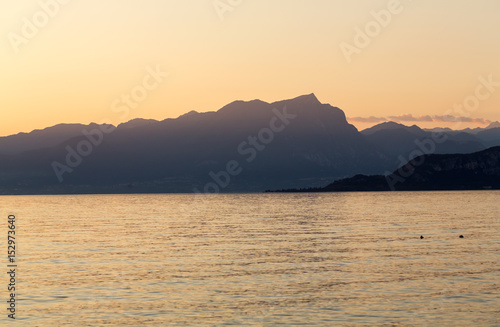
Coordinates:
370	119
451	119
411	118
454	119
483	121
424	118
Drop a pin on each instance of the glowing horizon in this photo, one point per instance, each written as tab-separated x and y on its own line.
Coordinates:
376	59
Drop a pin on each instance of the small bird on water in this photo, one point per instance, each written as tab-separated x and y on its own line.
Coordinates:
461	236
421	237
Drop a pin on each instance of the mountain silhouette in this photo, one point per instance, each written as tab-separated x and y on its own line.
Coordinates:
476	130
397	140
246	146
490	137
390	125
38	139
476	171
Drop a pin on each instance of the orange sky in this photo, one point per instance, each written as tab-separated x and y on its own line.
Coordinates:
78	61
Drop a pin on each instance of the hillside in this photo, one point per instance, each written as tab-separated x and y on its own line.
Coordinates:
476	171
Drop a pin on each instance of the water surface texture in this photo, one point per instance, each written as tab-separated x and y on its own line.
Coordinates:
257	259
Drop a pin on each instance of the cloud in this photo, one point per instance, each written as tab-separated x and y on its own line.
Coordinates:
370	119
482	121
454	119
409	117
424	118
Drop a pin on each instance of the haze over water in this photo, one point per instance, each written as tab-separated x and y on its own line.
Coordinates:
258	259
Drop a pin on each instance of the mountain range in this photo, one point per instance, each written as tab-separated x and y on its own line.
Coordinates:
434	172
243	147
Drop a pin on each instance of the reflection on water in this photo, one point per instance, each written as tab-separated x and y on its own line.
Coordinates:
258	259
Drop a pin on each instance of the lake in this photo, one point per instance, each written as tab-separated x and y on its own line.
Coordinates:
338	259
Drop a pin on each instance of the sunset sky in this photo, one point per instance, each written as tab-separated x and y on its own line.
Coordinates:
86	54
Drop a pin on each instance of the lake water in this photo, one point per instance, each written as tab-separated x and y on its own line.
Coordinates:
340	259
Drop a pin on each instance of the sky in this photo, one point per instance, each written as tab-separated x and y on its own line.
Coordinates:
421	62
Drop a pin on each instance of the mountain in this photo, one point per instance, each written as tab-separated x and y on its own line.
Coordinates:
138	123
490	137
476	130
392	126
37	139
400	141
495	124
246	146
476	171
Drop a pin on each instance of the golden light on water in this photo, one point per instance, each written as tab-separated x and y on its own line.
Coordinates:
258	260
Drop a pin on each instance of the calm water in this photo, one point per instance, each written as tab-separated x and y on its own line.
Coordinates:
257	260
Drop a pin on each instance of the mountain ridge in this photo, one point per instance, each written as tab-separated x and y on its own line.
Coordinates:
314	145
434	172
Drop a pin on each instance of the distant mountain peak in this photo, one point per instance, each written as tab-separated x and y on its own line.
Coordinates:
308	97
188	114
137	122
304	100
390	125
241	105
495	124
